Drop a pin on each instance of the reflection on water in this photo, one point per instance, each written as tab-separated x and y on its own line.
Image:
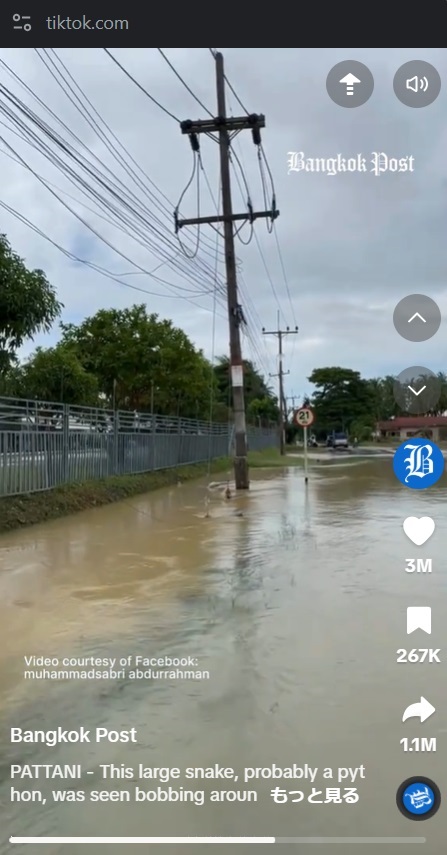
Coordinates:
294	600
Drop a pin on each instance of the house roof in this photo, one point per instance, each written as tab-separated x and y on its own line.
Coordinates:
416	422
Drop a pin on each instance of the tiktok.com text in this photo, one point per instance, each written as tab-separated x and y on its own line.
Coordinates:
58	22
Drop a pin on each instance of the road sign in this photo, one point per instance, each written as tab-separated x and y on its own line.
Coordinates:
304	417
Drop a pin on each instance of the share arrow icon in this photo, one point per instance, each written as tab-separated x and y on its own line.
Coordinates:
423	710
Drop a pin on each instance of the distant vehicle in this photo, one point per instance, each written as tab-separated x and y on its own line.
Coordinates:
337	440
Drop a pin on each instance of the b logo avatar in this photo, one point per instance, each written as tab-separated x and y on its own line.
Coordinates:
418	463
418	798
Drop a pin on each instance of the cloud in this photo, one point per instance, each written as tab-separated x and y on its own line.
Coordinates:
352	245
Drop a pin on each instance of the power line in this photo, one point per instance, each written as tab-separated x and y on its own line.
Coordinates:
223	125
247	301
195	174
112	147
95	174
244	109
281	260
248	199
96	267
184	83
130	171
84	222
132	78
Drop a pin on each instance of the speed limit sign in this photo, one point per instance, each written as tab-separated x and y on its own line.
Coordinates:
304	417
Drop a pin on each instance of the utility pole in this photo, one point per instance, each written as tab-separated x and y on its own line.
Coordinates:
282	403
291	398
282	411
223	125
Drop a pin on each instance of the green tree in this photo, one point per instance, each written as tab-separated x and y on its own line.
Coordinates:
28	304
341	398
263	410
255	390
12	382
138	358
389	408
56	374
441	406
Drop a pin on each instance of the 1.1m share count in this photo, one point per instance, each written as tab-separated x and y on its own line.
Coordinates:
419	744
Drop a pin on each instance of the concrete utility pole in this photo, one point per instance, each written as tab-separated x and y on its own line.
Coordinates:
223	125
281	374
291	398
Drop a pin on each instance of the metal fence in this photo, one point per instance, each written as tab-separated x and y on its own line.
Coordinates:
44	445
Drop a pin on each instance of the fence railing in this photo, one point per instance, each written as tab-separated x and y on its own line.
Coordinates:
44	444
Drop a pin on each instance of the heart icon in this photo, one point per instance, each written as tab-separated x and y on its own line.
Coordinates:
419	529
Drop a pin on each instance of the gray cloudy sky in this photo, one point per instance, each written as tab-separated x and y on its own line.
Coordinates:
352	245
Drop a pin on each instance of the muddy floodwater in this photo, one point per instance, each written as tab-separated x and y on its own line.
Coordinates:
289	604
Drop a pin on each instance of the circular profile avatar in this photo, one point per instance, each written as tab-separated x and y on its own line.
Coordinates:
418	798
418	463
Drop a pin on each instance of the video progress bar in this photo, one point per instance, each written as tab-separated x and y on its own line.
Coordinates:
217	840
142	839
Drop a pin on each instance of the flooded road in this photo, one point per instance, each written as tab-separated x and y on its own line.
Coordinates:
291	602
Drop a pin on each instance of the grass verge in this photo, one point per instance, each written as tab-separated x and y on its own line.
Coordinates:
19	511
271	458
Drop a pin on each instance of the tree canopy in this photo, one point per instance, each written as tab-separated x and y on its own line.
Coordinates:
341	397
344	401
56	374
140	360
28	304
134	360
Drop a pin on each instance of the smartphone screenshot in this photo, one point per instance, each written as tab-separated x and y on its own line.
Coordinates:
223	434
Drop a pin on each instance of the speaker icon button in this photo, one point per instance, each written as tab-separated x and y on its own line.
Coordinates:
417	84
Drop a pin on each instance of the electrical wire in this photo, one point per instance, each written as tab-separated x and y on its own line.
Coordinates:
88	208
240	164
112	148
94	231
194	174
184	83
250	309
189	255
126	207
286	283
213	52
264	191
269	171
92	173
213	350
273	229
248	200
254	234
98	268
130	76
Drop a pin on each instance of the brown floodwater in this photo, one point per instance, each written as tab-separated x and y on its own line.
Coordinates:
292	602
